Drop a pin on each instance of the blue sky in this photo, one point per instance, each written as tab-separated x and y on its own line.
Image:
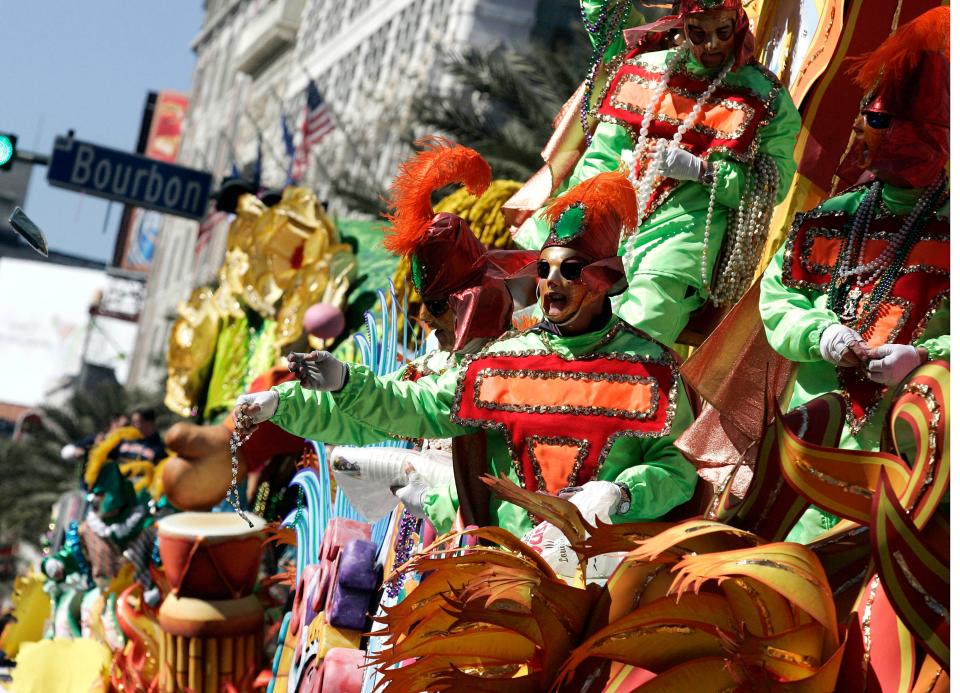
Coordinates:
87	65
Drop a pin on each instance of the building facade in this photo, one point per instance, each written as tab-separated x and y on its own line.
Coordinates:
370	60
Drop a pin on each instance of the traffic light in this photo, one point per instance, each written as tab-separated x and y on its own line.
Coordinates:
8	150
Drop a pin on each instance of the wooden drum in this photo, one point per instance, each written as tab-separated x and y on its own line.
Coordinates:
210	555
210	646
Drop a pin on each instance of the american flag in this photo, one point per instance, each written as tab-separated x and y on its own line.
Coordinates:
207	226
317	124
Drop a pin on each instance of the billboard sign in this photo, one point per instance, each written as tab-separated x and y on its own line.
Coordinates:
166	126
161	130
123	177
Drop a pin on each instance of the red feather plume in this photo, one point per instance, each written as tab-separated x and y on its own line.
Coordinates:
894	60
609	199
439	164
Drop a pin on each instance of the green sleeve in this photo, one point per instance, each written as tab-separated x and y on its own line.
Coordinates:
440	505
603	155
938	345
418	409
591	12
791	320
665	479
777	139
660	304
315	415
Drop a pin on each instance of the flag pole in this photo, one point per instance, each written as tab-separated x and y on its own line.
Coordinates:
372	178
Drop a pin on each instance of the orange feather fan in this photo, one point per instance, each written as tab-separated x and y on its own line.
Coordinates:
892	63
609	200
440	163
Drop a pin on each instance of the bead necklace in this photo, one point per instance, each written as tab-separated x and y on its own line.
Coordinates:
240	435
883	271
654	161
746	234
602	31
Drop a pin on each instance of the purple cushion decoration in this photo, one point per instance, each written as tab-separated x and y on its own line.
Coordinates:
348	608
358	565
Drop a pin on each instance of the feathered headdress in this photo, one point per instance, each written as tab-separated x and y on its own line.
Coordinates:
441	163
591	216
895	60
907	78
446	259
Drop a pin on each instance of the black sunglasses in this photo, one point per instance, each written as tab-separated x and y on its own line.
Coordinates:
438	307
569	269
878	121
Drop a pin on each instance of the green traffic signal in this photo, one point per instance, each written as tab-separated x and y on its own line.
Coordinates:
8	150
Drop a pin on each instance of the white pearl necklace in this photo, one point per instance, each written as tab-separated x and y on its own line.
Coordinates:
865	214
746	235
654	160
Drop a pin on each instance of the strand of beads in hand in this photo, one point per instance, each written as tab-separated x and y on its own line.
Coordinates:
241	434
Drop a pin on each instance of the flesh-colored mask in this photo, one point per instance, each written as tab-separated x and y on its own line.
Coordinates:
711	36
439	317
564	298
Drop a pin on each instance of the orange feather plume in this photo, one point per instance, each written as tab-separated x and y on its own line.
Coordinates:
439	164
894	60
609	199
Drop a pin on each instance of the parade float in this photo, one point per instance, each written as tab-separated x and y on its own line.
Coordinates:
323	582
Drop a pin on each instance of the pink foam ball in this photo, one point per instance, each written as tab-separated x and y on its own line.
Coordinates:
323	321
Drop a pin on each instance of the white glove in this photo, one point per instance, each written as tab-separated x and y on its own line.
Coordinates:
152	596
412	495
70	452
836	340
258	406
889	364
597	499
682	165
318	370
53	567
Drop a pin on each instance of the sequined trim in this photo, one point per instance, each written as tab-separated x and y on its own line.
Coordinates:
833	481
935	606
906	310
665	358
534	375
749	113
856	424
935	304
789	249
583	448
790	254
768	102
926	394
815	232
553	239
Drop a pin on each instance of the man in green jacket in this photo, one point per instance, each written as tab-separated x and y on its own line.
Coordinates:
581	400
859	295
708	135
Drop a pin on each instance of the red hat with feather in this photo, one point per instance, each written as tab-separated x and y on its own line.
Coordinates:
446	259
590	219
907	80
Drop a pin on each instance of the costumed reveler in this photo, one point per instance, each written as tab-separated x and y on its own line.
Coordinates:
464	300
708	135
582	399
858	296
